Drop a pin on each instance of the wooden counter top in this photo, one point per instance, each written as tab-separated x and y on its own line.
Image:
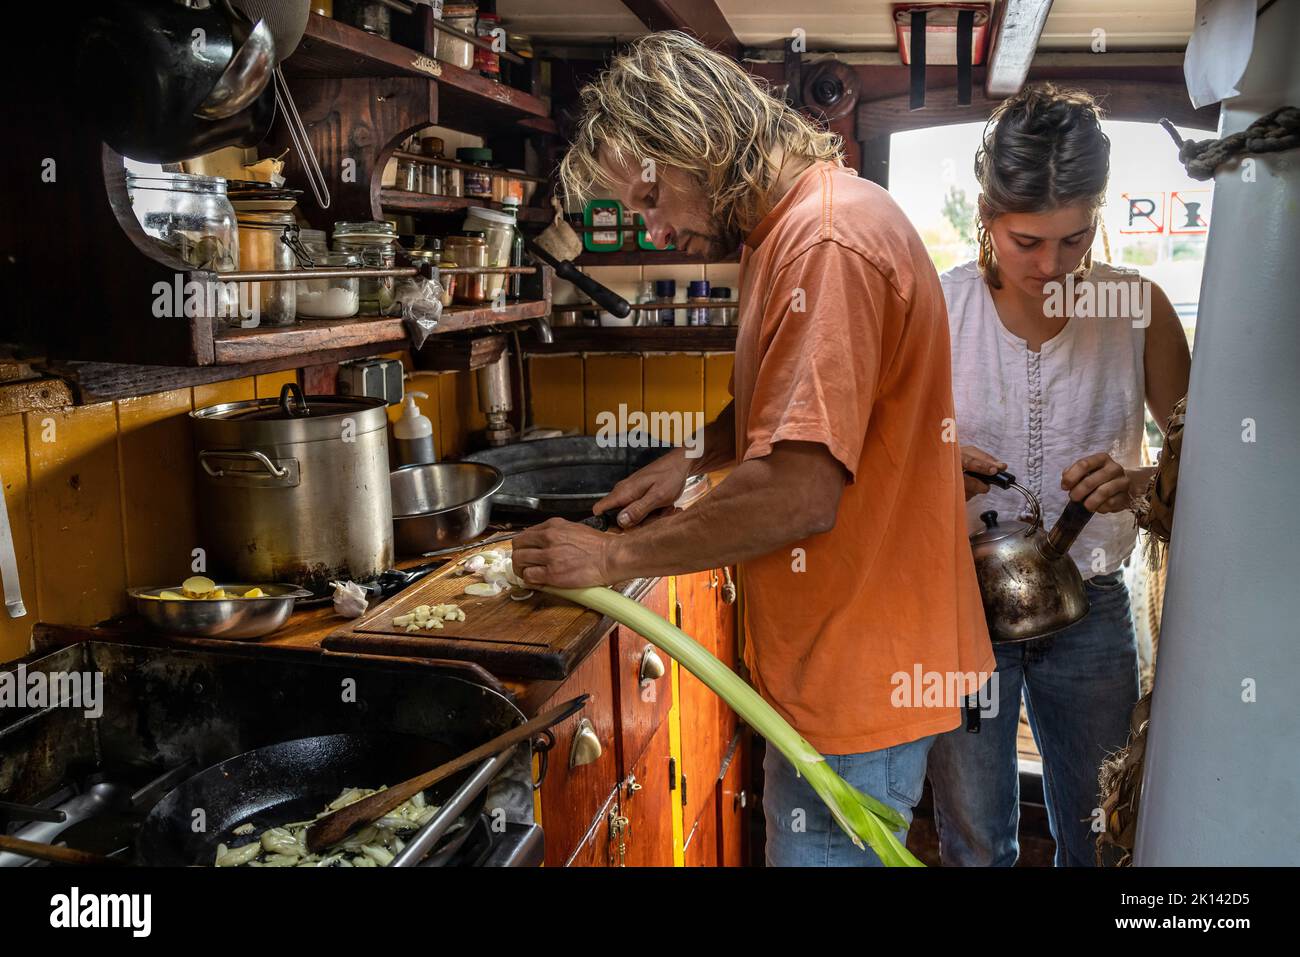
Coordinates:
307	628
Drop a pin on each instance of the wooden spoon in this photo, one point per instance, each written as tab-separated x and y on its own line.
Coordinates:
54	853
332	828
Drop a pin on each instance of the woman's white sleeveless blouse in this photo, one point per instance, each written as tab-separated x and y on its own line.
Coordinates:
1040	412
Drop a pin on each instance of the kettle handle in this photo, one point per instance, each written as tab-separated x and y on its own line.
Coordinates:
1074	516
1000	479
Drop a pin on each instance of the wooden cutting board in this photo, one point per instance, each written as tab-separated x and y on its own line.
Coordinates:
542	637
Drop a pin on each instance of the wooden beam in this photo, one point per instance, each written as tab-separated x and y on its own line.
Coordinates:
1140	100
699	17
1018	25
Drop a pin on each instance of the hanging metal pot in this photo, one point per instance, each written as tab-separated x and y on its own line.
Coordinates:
1029	584
167	82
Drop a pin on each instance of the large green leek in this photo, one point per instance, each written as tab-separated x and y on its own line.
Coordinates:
862	817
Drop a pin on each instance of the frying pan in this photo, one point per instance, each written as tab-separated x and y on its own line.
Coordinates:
280	784
565	476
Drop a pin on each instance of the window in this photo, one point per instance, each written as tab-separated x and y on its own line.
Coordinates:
1156	217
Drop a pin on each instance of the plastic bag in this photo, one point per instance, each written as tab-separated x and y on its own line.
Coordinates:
420	302
349	599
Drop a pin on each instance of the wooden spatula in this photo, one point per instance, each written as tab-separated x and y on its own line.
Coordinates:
332	828
56	854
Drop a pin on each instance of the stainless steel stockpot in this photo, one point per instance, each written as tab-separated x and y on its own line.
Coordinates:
295	489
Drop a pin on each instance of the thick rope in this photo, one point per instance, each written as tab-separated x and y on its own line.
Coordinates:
1277	131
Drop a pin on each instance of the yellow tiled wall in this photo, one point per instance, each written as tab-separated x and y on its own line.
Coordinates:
101	497
569	391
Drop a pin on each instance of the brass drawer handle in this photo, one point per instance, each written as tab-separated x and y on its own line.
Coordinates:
652	666
586	747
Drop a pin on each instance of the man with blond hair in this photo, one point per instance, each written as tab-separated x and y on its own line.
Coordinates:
844	510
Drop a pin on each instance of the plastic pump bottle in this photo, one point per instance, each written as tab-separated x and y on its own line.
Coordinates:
413	433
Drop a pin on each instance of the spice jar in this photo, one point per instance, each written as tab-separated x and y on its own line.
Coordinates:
434	175
468	249
478	181
498	230
376	245
488	62
726	316
410	175
373	16
330	298
261	248
451	49
697	295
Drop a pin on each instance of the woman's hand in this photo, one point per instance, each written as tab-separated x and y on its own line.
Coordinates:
1099	482
977	460
656	486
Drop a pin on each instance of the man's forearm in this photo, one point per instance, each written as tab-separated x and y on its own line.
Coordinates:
717	444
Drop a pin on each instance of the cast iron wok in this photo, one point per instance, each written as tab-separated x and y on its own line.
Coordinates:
280	784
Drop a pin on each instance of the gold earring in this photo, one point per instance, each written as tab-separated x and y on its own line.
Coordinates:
986	261
1085	267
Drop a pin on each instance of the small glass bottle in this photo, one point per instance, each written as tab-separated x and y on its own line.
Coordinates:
666	294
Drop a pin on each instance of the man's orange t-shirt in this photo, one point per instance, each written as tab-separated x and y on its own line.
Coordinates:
864	636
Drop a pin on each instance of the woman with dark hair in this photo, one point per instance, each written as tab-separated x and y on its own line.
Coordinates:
1054	357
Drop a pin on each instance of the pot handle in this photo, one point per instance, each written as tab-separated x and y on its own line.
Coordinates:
517	501
1000	479
291	390
269	474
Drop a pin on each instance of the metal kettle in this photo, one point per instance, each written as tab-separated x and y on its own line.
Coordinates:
1028	582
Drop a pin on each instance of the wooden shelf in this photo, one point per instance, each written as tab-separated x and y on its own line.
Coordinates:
466	101
638	339
362	335
645	257
401	201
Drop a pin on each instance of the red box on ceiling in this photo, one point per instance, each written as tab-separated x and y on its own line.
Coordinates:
941	31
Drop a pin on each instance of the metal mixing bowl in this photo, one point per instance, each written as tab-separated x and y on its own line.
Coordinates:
441	504
229	618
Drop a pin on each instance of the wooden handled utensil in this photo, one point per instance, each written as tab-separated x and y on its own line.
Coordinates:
332	828
54	853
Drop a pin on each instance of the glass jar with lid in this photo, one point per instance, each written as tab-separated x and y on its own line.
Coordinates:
376	244
498	230
330	298
261	248
468	249
478	181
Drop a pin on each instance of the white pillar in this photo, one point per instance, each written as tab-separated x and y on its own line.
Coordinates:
1222	779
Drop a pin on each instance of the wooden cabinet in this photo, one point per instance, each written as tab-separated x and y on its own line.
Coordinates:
706	722
619	809
596	847
646	804
702	843
572	796
642	682
733	807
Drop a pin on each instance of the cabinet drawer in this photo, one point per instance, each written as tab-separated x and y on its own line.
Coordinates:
702	843
646	805
642	704
733	806
572	796
595	849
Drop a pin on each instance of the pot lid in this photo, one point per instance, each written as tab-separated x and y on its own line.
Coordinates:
996	529
271	410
